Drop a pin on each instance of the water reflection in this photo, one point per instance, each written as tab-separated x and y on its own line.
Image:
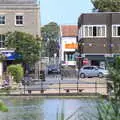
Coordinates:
35	108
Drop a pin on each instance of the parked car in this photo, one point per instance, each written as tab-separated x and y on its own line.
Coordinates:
93	71
53	69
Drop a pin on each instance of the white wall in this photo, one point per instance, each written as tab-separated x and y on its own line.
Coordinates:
67	40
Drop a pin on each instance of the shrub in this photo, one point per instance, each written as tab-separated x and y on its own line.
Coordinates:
16	71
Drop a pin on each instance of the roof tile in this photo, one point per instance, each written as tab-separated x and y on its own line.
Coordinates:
69	30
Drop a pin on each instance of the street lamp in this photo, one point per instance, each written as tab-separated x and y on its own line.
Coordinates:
78	67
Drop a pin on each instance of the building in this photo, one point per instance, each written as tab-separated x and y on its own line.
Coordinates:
17	15
68	44
99	37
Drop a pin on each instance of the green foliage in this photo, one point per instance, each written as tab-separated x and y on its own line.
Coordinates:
114	76
50	31
106	5
16	71
52	48
50	35
25	45
2	57
108	111
3	108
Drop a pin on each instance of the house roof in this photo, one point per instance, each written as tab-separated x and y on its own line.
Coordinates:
69	30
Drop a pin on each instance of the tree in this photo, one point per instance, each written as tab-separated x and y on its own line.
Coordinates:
25	45
114	75
50	31
52	48
50	35
106	5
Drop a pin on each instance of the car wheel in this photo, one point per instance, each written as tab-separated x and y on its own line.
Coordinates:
82	75
100	75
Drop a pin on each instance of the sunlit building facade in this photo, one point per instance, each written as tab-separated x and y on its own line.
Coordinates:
68	44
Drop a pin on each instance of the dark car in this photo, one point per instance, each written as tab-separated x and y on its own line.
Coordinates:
53	69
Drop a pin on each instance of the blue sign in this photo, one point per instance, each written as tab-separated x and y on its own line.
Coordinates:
11	55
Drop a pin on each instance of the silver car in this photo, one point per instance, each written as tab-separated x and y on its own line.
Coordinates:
93	71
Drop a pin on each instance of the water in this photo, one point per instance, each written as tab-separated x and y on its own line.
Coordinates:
36	108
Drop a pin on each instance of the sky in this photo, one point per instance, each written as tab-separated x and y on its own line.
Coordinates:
63	12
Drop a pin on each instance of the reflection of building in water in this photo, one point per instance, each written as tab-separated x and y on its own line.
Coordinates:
68	44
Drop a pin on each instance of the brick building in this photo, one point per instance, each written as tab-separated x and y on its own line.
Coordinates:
99	36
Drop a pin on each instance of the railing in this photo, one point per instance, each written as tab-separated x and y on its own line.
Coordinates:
66	83
59	86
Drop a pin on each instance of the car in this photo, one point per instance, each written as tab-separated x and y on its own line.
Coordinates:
53	69
93	71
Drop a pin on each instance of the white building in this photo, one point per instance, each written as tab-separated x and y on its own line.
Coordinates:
68	44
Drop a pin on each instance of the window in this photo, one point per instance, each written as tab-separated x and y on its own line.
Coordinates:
86	31
94	31
119	31
19	20
2	41
2	19
116	30
86	68
69	56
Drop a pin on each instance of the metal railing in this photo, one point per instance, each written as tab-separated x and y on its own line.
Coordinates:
59	86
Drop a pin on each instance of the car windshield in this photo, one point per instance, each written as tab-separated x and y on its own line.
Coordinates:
53	66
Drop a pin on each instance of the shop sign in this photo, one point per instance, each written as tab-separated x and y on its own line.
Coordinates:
71	46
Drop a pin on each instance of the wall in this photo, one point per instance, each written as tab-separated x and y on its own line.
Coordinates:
67	40
31	19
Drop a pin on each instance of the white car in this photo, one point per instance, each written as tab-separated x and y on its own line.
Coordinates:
93	71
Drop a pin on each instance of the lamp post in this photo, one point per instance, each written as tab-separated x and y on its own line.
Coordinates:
77	54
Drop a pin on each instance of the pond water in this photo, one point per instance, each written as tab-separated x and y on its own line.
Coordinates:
36	108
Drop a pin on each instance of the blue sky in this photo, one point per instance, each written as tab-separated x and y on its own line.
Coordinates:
63	11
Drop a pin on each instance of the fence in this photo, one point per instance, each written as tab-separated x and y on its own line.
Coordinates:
59	85
66	83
